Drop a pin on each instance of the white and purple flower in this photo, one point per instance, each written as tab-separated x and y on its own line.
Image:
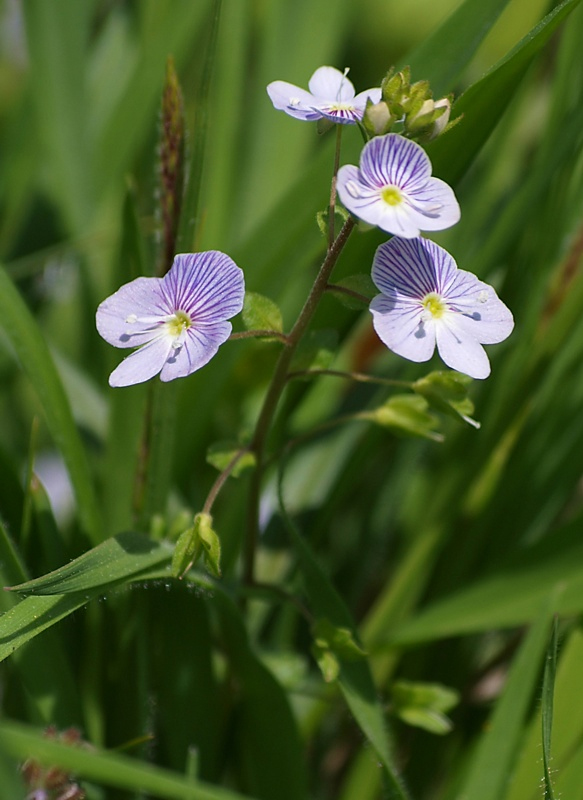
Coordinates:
177	322
393	189
427	301
331	96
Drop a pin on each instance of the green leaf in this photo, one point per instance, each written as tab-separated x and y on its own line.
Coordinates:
485	101
496	753
31	349
442	56
355	679
105	768
120	558
429	720
338	639
261	314
547	707
405	414
448	392
263	716
221	454
423	705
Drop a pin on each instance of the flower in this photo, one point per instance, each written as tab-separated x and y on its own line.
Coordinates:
177	322
394	190
331	96
426	300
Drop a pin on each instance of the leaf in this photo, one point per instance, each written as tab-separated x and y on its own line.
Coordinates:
261	314
263	715
119	558
31	349
442	56
111	769
484	102
405	414
495	755
355	679
448	392
547	707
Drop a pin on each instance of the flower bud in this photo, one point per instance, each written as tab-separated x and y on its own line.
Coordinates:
377	119
430	120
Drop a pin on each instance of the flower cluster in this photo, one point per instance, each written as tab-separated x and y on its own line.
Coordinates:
425	300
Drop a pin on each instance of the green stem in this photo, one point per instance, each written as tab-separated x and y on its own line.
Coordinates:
360	377
276	388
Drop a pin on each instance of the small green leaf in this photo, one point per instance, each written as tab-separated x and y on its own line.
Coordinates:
406	414
315	351
261	314
327	662
423	705
427	719
338	639
448	392
322	218
221	454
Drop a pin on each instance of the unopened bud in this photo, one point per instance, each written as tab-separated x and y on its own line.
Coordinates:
430	120
377	119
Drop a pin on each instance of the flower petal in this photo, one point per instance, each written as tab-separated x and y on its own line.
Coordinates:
395	161
294	101
373	94
142	299
434	207
413	267
482	313
459	349
328	83
208	286
399	324
142	364
200	345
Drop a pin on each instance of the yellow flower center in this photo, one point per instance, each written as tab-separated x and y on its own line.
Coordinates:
178	323
391	195
433	304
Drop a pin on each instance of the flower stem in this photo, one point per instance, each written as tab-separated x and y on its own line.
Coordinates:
259	334
218	484
276	388
332	206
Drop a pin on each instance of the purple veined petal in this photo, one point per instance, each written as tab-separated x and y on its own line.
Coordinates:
435	207
208	286
142	364
482	313
413	267
328	83
294	101
200	345
392	160
143	300
459	349
343	113
399	325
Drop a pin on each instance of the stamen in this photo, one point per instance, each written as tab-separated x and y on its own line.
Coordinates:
434	306
392	196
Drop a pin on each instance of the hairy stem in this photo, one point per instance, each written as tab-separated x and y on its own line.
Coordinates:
276	388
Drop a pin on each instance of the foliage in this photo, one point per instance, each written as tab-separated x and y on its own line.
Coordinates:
409	559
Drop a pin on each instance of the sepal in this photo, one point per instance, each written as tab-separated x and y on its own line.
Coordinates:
198	540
